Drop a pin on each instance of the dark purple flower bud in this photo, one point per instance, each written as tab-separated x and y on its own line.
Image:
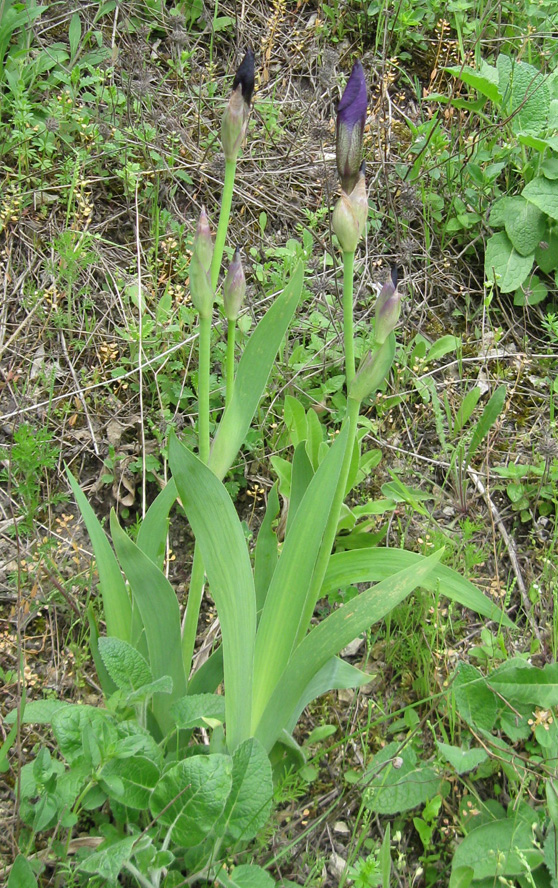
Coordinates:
245	77
235	118
234	288
351	117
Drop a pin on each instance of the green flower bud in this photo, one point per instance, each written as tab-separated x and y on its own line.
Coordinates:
203	245
234	288
388	308
201	290
373	370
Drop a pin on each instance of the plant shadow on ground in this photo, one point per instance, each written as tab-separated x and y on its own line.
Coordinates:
108	153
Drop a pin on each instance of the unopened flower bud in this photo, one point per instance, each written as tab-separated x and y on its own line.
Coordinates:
373	370
351	117
350	214
203	245
388	308
234	288
201	290
235	118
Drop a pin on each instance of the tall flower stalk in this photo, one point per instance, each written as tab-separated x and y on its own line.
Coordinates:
233	132
349	215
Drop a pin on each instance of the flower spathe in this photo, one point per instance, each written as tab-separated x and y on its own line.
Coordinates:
234	288
350	214
388	308
351	117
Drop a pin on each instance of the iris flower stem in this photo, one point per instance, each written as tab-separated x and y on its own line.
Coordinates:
203	387
348	334
322	561
195	592
224	215
229	365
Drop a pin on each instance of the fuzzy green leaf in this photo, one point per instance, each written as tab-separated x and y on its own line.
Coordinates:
194	710
503	263
136	775
249	803
525	225
191	796
543	193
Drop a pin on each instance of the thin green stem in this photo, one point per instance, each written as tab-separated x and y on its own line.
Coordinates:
203	387
322	561
348	333
192	614
220	237
229	365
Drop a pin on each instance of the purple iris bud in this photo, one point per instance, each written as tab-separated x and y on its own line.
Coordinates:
203	244
245	76
351	117
388	308
235	118
234	288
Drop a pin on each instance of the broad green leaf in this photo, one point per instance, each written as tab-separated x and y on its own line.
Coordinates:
116	604
504	264
466	408
331	636
266	554
295	420
485	80
488	417
105	680
461	877
546	254
315	438
156	601
136	775
462	760
476	703
397	782
544	194
249	803
372	565
21	874
527	684
209	676
252	375
109	859
284	470
442	346
74	34
81	727
222	544
531	292
37	712
500	848
125	665
248	875
191	796
335	675
162	685
152	534
286	599
193	710
529	99
525	225
302	474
